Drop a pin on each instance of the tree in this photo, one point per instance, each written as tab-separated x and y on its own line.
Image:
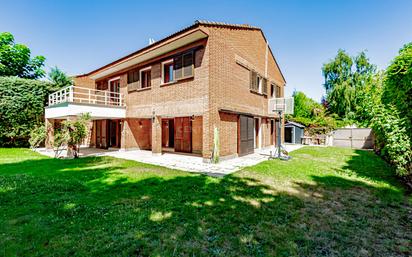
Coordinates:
305	106
344	75
59	78
16	60
368	97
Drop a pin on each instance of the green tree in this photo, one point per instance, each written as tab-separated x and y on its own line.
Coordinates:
304	106
59	78
16	60
368	97
344	75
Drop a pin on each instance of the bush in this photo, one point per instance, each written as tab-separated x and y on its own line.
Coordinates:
71	135
397	89
38	136
22	104
392	139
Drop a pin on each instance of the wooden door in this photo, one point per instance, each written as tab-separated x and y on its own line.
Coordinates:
101	134
183	134
247	134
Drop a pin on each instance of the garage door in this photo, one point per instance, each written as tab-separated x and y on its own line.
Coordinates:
246	135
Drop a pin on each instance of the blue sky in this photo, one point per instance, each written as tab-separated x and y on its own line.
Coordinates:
79	36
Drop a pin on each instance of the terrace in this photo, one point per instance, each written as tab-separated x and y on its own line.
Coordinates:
74	100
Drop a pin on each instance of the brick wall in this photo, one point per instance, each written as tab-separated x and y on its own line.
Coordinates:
228	133
83	81
136	134
197	134
229	81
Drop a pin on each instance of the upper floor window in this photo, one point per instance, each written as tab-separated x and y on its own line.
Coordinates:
258	83
145	77
167	72
272	90
132	76
278	92
180	67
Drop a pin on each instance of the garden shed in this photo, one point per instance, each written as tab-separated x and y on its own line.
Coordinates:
294	132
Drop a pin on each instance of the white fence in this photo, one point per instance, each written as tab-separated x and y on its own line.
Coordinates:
74	94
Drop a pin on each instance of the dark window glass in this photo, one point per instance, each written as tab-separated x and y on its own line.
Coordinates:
146	78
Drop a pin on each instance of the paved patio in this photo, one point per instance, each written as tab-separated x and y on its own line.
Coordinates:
182	162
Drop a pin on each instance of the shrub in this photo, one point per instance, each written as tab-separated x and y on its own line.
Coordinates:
397	89
71	135
392	138
38	136
22	104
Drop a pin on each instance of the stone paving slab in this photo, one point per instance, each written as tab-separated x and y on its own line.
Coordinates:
184	162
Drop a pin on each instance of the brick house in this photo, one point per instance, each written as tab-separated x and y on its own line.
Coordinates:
171	94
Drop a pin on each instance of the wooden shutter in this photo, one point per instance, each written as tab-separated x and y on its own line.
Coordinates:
278	93
178	67
188	66
265	86
253	81
134	76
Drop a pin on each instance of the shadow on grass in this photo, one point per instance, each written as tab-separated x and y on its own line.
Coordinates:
87	207
367	164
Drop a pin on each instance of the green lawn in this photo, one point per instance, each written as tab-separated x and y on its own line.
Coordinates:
324	202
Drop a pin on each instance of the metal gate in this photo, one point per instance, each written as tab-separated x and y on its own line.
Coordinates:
359	138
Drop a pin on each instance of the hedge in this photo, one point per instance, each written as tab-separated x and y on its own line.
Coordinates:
22	103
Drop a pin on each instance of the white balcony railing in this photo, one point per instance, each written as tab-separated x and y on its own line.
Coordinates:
74	94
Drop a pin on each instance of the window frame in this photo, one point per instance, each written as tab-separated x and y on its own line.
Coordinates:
149	68
163	72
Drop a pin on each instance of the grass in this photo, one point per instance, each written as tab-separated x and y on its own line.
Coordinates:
324	202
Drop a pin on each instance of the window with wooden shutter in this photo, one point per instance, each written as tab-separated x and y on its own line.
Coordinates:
278	92
178	67
145	78
132	80
132	76
265	86
188	66
253	81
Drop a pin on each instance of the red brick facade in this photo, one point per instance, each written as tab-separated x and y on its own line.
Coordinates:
215	96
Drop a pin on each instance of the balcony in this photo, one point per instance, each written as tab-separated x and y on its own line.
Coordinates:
74	100
74	94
